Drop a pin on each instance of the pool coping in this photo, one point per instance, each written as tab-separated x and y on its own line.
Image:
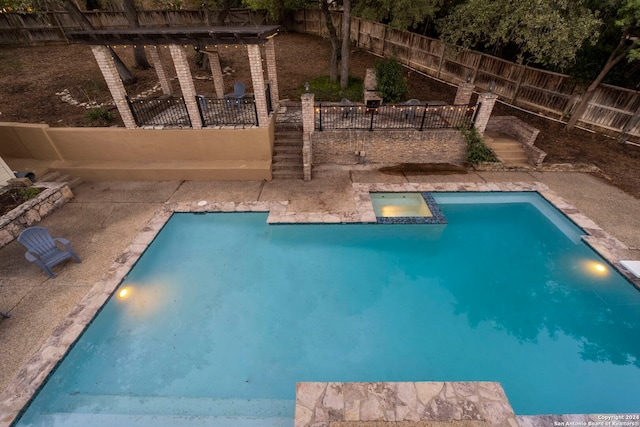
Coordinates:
34	373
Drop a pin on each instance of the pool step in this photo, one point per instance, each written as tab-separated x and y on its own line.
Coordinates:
110	410
178	406
106	420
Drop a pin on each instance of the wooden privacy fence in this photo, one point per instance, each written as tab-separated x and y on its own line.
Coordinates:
50	27
611	108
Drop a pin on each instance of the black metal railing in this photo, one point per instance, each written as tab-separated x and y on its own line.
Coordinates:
392	117
166	111
228	111
267	94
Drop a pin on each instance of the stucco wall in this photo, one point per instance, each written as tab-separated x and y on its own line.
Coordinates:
5	173
388	147
117	153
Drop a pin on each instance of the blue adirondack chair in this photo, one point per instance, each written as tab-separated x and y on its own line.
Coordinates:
45	251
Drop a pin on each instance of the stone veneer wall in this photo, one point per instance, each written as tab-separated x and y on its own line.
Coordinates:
52	197
387	147
523	132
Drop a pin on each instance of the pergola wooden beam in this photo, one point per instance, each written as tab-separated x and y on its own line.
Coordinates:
247	35
176	39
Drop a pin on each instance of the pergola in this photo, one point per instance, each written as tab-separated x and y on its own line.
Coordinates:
176	40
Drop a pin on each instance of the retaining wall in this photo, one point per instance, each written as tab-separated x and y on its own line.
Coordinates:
388	147
53	196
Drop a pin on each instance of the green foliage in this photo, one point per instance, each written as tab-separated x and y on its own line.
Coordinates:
392	85
324	90
548	32
100	116
21	6
29	193
400	14
168	4
276	8
477	151
628	20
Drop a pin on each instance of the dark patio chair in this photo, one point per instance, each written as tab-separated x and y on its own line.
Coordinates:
347	106
45	251
410	111
237	95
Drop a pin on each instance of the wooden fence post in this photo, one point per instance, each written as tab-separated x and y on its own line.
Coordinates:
515	92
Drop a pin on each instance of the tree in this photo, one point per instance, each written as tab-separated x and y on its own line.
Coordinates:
628	20
276	9
139	54
400	14
547	32
123	71
335	42
346	36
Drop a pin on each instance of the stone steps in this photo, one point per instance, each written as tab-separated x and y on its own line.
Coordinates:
287	146
55	176
506	149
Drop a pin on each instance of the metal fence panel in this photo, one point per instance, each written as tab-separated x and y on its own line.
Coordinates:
392	117
169	111
228	111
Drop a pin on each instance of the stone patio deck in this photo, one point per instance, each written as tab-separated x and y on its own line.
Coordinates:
111	223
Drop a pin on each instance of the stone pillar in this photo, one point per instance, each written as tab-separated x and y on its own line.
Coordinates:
119	94
257	78
270	53
160	71
186	84
308	126
216	73
485	104
370	83
463	95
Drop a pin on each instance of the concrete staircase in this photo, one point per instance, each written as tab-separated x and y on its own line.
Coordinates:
55	176
508	149
287	147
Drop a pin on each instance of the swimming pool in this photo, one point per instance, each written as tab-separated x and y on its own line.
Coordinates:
198	338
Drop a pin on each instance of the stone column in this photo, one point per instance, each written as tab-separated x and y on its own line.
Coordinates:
119	94
216	73
257	78
308	126
160	71
463	95
270	53
186	84
485	104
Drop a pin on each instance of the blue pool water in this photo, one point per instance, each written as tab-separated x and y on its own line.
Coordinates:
226	313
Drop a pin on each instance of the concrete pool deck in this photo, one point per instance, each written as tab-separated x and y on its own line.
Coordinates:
105	217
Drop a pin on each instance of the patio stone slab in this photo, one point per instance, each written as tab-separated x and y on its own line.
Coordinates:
231	191
127	191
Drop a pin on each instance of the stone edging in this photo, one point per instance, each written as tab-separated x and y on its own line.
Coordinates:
54	195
